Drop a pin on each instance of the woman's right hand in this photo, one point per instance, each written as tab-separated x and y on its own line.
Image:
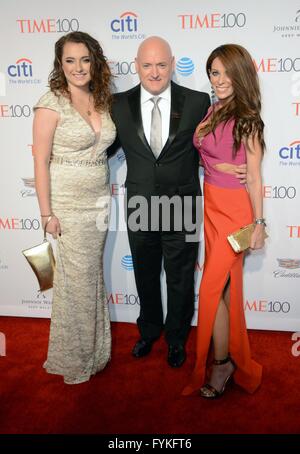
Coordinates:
53	226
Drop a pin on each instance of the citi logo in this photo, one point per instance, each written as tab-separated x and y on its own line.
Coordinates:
128	22
291	152
185	66
126	262
22	68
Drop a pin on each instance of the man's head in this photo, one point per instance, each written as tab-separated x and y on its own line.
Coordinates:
154	64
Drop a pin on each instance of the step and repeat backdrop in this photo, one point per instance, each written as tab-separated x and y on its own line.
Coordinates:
270	32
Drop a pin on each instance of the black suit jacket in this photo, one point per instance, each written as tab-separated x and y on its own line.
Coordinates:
176	171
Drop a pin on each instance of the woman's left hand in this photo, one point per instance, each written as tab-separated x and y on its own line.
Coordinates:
258	237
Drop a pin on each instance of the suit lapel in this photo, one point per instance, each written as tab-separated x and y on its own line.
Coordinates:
177	104
134	100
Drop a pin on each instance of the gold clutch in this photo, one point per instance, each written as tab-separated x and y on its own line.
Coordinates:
240	239
42	261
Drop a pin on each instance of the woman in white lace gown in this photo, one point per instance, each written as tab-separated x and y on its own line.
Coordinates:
72	130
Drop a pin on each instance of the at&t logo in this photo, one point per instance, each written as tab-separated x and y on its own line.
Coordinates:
185	66
126	262
121	156
126	26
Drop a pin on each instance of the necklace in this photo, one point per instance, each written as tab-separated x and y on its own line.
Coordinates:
89	112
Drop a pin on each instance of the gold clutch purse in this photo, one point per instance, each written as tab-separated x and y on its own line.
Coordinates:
42	261
240	239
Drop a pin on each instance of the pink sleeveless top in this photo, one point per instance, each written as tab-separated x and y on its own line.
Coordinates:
217	149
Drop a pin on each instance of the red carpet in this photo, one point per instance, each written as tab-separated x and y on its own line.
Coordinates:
136	396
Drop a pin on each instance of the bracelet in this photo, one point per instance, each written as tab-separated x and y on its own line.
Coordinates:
260	221
46	215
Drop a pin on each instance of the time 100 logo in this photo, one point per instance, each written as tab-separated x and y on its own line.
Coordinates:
279	192
14	111
122	68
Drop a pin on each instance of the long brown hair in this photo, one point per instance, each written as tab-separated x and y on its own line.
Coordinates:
245	105
101	76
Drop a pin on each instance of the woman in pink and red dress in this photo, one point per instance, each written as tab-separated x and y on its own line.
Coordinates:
231	133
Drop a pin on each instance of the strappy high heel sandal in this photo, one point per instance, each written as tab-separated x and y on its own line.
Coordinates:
208	391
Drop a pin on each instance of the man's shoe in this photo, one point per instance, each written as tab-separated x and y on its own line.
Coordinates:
142	348
176	355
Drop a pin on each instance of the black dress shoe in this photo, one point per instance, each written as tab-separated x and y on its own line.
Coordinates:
142	348
176	355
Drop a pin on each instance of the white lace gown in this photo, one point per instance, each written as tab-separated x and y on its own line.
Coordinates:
80	338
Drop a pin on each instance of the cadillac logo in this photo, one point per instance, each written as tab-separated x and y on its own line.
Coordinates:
28	182
29	190
290	264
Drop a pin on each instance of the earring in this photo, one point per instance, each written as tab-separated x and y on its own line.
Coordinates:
213	97
91	85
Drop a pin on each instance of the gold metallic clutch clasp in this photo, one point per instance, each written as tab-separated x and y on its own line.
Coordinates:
240	239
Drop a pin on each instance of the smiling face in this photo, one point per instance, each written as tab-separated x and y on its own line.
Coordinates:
220	81
154	64
76	64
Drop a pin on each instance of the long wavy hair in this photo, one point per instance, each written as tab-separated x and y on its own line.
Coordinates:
101	77
245	105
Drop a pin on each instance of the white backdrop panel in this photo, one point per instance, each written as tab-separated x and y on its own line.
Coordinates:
28	31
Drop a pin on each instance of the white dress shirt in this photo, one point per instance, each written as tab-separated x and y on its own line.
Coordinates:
164	107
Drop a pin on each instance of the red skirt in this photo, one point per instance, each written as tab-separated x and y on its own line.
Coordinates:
225	210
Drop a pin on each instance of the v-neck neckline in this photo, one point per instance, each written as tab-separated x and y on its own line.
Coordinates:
96	133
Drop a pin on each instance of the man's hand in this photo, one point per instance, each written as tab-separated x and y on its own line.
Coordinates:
239	171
